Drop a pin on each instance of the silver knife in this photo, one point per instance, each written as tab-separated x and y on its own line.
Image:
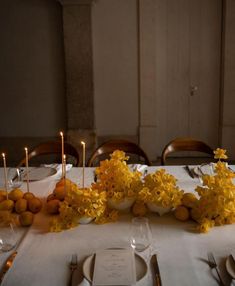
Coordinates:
156	270
189	171
7	265
11	258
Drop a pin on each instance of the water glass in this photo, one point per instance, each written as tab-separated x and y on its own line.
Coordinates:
15	177
8	237
140	234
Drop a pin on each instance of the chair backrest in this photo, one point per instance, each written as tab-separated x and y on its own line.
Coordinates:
108	147
185	144
53	148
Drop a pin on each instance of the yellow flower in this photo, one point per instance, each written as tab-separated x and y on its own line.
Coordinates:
205	225
160	188
216	205
220	154
77	204
116	179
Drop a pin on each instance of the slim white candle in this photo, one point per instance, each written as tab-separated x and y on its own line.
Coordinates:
27	167
64	178
5	172
64	163
62	153
83	162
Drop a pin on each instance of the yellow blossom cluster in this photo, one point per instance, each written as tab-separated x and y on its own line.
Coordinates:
160	188
116	179
220	154
216	205
80	203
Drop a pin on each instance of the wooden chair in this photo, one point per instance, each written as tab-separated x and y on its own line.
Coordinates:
185	144
108	147
53	148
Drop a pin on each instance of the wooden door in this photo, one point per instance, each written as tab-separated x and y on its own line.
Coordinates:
185	36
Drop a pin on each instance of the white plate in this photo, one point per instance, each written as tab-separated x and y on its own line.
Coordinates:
40	173
88	267
230	266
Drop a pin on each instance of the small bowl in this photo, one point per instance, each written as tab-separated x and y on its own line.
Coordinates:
158	209
123	205
85	220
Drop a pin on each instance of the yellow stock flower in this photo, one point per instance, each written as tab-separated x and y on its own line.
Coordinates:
80	203
216	205
160	188
116	179
220	154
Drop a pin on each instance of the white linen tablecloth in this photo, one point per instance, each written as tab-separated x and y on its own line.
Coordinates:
43	257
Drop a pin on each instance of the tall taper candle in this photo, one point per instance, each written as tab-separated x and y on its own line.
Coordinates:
5	172
64	163
83	162
27	167
62	153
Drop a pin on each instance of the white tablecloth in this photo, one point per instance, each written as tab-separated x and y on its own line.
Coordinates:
43	257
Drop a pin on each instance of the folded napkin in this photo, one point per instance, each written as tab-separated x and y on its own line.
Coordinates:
58	168
138	167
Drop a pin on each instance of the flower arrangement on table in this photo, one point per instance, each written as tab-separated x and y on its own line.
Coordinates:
81	205
117	180
216	204
160	192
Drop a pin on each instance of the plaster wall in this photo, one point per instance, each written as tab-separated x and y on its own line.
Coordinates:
228	102
115	61
31	69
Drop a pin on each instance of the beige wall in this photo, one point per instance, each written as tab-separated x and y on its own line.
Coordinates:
228	119
32	79
114	25
31	69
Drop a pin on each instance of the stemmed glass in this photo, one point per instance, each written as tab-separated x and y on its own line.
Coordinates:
140	235
15	177
8	236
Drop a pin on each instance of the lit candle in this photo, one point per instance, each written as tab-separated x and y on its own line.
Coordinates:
83	162
62	153
27	167
5	171
64	163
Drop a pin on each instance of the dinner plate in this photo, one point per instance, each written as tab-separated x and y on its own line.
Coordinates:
230	266
88	267
39	173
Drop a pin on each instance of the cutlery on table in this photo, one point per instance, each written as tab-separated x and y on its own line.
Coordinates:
12	256
156	270
7	265
213	265
73	266
189	171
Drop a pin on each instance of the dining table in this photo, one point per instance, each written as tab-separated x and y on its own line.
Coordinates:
43	257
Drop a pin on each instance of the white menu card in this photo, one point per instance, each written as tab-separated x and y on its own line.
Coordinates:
114	267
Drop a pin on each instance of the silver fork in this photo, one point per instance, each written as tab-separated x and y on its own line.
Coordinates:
73	266
213	265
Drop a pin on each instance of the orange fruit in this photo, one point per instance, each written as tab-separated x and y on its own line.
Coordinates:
181	213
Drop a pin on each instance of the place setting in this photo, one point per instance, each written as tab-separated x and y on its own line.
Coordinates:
222	266
132	264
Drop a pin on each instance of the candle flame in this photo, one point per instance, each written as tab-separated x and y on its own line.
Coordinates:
3	155
83	143
61	134
26	149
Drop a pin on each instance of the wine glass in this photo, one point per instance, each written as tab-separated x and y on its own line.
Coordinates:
15	177
140	234
8	238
